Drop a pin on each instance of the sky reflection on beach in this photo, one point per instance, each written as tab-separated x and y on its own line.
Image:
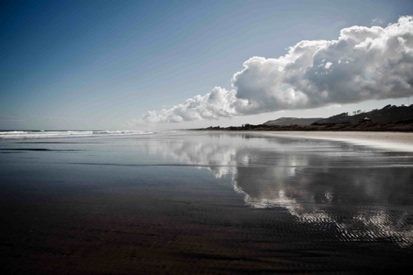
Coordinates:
361	193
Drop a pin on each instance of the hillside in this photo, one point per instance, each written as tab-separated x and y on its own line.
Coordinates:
288	121
389	118
388	114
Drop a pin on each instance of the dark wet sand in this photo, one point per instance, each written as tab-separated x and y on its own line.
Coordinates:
63	218
141	232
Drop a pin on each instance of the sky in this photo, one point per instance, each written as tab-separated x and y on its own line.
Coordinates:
102	64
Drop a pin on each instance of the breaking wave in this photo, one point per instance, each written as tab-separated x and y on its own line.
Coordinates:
67	133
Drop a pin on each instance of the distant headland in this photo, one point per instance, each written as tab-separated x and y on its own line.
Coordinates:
389	118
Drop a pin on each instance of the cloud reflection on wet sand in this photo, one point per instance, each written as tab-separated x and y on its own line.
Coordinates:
362	193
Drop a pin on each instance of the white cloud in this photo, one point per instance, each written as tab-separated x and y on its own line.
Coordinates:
217	103
377	22
363	63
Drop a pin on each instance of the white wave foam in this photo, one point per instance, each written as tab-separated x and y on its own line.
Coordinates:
121	132
60	134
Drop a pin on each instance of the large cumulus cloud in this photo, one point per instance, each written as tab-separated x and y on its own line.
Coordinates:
363	63
217	103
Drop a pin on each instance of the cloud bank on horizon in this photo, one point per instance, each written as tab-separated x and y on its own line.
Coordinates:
363	63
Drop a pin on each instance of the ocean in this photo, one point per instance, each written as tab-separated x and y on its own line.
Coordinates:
124	202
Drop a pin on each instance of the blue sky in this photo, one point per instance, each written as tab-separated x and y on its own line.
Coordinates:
104	64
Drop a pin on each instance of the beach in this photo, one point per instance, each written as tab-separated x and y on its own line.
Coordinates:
190	202
391	140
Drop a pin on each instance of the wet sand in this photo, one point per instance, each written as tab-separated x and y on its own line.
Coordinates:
390	140
141	233
200	203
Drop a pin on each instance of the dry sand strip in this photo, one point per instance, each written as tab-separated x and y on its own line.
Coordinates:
385	140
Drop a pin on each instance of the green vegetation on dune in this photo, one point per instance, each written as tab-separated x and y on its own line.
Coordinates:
389	118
